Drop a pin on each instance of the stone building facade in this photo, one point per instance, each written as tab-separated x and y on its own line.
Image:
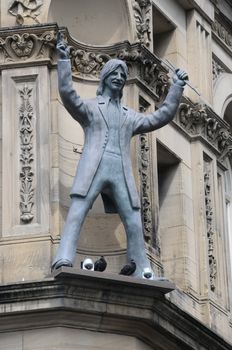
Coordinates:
183	172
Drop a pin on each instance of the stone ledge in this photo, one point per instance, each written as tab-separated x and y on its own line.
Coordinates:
156	287
107	303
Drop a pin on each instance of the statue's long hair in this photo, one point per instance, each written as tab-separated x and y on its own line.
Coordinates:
108	68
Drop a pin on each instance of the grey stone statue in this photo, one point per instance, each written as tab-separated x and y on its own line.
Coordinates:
105	165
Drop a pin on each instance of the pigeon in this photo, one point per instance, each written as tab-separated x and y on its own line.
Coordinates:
87	264
128	269
100	264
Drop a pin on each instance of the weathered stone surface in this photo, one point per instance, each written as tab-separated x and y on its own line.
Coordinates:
100	303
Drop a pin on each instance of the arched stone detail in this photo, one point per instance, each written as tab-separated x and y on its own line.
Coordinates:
99	23
222	94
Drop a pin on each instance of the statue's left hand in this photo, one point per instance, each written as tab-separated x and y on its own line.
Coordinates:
61	47
180	77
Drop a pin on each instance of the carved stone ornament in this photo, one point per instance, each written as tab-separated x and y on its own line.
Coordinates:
142	14
26	116
200	120
87	63
145	180
26	45
25	8
38	42
223	33
209	223
217	70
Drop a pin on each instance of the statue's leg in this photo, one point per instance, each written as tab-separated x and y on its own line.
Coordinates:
78	210
131	219
69	238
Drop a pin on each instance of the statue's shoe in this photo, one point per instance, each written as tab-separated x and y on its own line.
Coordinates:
61	262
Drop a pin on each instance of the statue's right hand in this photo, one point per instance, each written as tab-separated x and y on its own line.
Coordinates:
61	47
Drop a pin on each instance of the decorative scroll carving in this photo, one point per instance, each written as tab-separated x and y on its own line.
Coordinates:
26	157
25	8
144	171
209	223
23	46
192	119
38	43
199	120
88	63
154	77
224	34
217	70
142	14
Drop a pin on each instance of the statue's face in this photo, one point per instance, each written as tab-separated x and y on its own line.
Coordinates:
116	80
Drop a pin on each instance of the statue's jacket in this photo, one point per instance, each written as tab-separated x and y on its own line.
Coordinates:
92	116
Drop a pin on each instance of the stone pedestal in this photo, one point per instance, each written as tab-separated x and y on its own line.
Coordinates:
77	309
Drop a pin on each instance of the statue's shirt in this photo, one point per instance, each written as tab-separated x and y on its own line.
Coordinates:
113	117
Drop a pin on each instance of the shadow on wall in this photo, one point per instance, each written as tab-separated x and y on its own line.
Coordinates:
100	22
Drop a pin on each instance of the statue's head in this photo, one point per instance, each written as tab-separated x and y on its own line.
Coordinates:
110	67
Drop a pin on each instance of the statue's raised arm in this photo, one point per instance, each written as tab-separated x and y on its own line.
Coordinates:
71	100
166	112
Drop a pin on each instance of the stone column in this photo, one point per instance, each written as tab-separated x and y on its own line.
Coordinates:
199	55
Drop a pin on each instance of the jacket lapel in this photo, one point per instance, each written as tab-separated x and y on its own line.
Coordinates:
103	108
102	105
124	114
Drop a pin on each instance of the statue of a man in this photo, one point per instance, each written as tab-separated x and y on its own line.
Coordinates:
105	165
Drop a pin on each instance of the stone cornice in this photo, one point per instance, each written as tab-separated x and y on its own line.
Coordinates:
193	4
106	303
34	45
222	32
199	121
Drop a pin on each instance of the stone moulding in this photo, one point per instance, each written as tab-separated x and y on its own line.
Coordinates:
113	304
223	32
30	45
200	121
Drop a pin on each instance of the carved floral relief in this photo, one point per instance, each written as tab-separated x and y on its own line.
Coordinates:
24	46
142	14
145	182
209	224
145	186
25	8
26	132
200	120
217	70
